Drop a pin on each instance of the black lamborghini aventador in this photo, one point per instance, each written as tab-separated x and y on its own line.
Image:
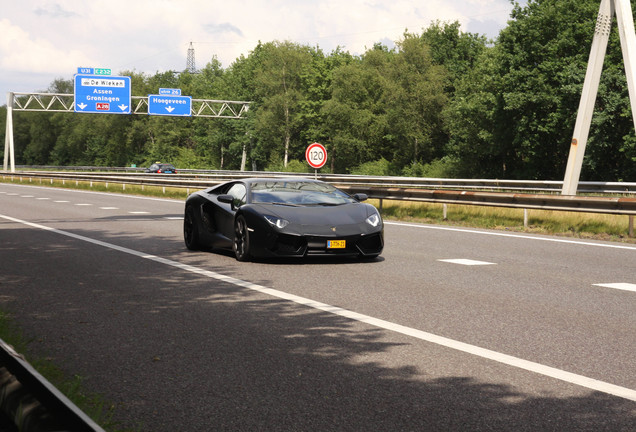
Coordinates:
282	217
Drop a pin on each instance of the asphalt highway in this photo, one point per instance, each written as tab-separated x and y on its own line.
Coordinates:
449	329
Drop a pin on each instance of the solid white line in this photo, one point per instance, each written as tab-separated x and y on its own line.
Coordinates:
558	374
502	234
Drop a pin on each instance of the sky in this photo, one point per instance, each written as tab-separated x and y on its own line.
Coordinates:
43	40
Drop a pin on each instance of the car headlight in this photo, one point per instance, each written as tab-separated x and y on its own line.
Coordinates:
277	222
373	220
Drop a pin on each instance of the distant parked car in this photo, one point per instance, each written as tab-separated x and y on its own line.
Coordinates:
162	168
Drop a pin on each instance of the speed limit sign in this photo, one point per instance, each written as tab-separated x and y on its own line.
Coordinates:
316	155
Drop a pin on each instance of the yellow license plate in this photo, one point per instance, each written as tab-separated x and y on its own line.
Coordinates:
336	244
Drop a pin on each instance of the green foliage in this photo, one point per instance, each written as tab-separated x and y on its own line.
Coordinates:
439	168
513	116
442	103
381	167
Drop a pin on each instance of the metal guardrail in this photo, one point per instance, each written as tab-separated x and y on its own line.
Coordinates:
398	188
32	403
533	186
392	188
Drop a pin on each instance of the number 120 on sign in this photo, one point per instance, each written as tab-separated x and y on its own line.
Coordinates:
316	155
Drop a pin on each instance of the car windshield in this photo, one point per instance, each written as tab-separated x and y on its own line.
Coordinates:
303	193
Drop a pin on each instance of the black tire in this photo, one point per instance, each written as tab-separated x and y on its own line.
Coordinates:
190	229
241	244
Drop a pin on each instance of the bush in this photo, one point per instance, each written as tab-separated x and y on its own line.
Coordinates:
439	168
376	168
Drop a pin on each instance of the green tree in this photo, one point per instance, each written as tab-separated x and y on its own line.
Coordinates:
514	116
414	102
281	95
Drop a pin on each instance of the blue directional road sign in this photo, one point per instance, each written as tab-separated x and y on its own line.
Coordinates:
102	94
170	105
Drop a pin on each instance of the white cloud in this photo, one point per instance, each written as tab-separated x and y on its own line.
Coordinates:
23	52
54	37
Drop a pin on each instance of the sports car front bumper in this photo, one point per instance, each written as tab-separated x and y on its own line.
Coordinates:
288	245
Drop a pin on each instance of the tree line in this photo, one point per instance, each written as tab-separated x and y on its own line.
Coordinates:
441	103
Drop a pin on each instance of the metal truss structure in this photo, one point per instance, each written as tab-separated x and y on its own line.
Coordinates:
64	102
623	11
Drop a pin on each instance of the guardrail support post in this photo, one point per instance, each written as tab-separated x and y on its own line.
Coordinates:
445	211
631	226
525	218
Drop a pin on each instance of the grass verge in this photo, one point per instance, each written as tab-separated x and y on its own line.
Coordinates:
91	404
571	224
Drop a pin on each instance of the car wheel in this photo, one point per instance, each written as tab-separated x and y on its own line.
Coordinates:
190	229
241	243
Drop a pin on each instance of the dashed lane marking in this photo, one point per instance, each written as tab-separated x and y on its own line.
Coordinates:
466	262
619	286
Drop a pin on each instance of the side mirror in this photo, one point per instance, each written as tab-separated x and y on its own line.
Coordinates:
227	199
361	197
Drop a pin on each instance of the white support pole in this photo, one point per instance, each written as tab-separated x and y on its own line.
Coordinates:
625	21
9	150
588	97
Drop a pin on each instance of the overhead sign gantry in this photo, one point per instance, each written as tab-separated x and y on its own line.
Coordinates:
98	92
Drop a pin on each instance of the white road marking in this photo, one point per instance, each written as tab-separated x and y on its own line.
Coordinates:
135	197
83	204
509	360
61	201
619	286
174	217
525	237
43	198
26	196
467	262
109	208
139	212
